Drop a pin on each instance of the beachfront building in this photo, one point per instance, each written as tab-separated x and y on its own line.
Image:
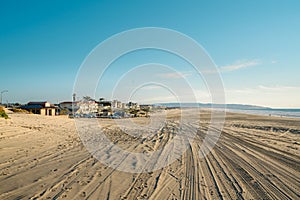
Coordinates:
41	108
69	106
104	108
132	105
87	107
116	104
124	106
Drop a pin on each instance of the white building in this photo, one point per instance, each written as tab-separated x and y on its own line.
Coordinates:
87	107
116	104
124	106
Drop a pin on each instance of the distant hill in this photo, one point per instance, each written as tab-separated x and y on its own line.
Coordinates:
209	105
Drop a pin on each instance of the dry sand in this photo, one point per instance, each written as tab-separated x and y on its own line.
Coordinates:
256	157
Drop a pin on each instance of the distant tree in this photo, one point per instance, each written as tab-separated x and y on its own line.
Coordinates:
64	112
133	111
101	99
146	110
87	98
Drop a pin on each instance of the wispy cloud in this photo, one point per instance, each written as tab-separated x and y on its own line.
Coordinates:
274	62
239	65
264	89
277	88
159	99
175	75
235	66
151	87
272	96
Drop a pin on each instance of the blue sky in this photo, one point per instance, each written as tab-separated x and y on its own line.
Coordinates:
255	45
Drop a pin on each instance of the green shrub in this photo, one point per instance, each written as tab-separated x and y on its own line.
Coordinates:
64	112
3	113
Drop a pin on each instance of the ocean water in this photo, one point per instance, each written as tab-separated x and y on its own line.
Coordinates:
292	113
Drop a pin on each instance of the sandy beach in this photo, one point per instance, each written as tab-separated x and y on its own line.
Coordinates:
256	157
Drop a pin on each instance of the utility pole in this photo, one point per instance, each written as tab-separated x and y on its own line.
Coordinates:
74	99
1	95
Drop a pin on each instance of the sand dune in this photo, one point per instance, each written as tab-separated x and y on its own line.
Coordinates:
256	157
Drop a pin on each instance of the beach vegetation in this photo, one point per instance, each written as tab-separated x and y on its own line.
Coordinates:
3	113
